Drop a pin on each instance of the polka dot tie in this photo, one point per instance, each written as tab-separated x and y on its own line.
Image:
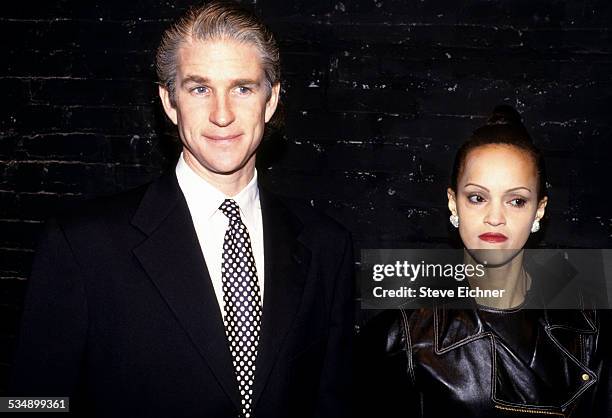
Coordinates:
242	301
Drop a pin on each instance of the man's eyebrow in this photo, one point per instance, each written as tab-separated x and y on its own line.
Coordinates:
245	82
196	79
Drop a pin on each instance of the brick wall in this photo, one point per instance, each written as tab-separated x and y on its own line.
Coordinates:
377	97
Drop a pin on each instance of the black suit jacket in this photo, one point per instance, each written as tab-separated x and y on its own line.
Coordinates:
121	314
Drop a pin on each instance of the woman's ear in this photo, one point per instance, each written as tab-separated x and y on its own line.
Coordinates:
452	202
541	208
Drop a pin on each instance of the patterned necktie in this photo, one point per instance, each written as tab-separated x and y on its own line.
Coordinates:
242	301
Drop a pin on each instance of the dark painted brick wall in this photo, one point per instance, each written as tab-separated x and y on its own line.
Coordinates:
378	95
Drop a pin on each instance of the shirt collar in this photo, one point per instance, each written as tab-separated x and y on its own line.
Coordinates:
207	198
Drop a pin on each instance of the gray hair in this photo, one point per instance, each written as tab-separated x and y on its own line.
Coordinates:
219	20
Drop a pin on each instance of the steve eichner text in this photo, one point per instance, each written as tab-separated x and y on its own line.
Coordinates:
412	271
427	292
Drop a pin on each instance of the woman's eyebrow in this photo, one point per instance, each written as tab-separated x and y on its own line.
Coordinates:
477	185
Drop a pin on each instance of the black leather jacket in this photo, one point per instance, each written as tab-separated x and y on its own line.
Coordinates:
474	363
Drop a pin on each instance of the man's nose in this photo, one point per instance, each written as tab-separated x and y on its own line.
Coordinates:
221	113
495	215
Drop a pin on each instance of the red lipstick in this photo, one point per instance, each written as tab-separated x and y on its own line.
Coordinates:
493	237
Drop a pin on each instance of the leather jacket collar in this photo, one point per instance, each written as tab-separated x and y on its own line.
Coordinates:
455	329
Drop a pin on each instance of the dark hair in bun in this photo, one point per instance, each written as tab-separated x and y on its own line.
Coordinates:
504	126
505	115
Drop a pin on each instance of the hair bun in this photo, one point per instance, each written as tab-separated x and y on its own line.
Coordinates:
505	115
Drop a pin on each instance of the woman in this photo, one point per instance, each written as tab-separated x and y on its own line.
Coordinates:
497	358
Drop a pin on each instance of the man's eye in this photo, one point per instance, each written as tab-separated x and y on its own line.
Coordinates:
200	90
475	198
242	90
518	202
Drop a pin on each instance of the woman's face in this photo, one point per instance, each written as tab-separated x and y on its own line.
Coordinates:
496	198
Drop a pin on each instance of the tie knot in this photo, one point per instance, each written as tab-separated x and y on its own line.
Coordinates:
230	208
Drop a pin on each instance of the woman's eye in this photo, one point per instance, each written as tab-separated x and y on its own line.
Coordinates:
518	202
475	198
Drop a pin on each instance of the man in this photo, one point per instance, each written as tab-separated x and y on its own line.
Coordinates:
200	294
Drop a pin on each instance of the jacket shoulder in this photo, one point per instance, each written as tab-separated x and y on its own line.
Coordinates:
102	211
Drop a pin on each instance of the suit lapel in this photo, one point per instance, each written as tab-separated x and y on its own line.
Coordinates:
172	258
286	266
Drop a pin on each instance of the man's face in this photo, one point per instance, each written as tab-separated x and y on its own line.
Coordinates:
221	106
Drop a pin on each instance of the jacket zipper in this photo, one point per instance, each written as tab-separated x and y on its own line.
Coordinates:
531	411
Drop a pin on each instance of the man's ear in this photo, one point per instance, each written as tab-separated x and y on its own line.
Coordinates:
272	102
452	202
169	108
541	208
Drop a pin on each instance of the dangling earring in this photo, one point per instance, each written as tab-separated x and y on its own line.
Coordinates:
454	220
536	226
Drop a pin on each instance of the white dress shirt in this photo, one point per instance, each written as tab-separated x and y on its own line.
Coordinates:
210	223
